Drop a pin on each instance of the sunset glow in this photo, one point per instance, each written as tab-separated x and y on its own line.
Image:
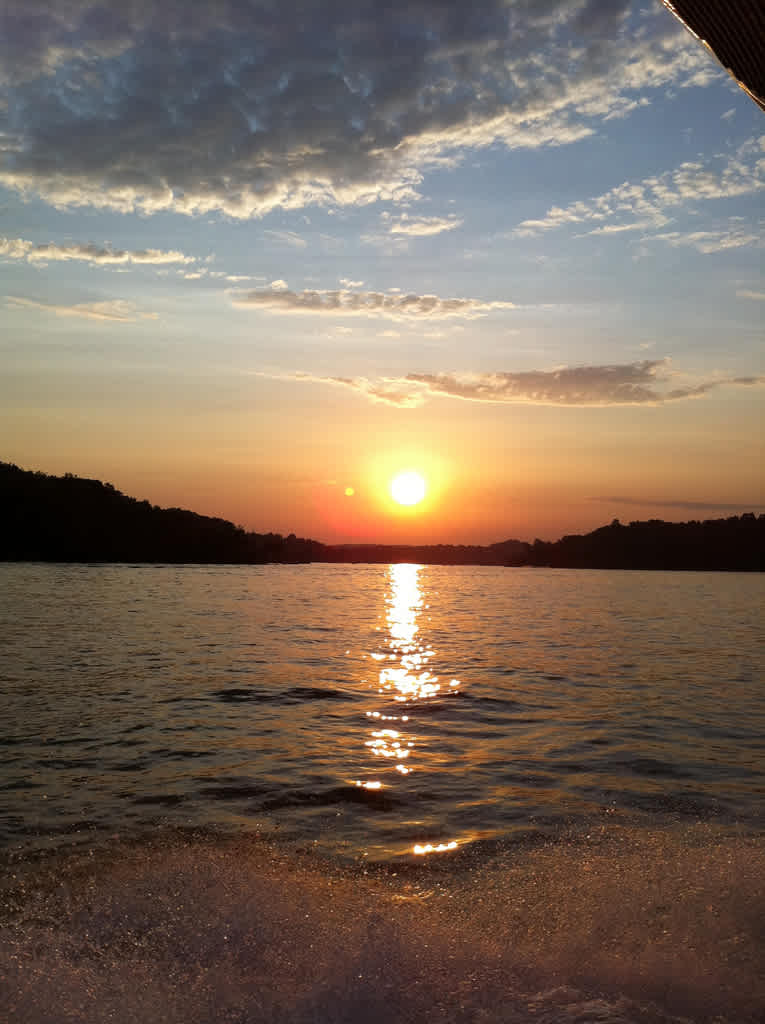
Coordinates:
408	488
382	510
506	256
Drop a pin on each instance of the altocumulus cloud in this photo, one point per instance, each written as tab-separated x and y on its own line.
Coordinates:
643	383
247	105
88	252
651	202
710	241
343	302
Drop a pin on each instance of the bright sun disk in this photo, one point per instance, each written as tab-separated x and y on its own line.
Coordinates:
408	488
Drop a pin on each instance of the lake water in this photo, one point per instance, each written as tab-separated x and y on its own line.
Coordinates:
375	724
375	709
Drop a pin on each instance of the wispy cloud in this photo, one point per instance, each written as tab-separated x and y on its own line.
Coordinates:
746	293
117	310
347	283
395	391
691	506
370	304
708	241
637	205
290	238
383	93
88	252
646	383
423	226
617	229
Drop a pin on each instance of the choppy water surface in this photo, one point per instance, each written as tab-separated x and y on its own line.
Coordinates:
382	794
375	710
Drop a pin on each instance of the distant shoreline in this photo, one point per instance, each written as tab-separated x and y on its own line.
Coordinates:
46	518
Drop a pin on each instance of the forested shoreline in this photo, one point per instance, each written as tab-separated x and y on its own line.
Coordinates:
72	519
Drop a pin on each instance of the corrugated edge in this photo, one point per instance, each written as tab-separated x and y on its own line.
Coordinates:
732	30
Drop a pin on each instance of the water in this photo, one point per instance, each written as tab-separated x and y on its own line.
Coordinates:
375	709
386	792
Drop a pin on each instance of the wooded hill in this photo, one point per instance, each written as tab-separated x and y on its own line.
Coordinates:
70	519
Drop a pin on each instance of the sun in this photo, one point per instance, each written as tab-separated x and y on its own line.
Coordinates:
408	488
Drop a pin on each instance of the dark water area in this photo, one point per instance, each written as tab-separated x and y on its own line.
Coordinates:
330	793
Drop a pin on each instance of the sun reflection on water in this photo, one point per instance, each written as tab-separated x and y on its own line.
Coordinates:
410	678
403	678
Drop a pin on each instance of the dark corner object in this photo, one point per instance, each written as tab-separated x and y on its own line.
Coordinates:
734	31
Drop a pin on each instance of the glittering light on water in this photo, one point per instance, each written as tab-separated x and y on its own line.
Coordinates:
385	743
421	851
404	677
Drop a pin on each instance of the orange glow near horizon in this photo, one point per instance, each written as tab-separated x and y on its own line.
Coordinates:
490	477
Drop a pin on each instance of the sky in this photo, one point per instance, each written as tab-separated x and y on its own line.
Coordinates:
256	258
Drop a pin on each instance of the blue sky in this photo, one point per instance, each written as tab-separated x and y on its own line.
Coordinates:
253	253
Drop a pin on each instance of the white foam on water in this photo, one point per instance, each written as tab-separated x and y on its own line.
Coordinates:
621	927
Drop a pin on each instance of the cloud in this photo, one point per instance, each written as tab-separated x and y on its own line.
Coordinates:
245	107
287	238
347	283
700	506
745	293
88	252
117	310
395	391
617	229
370	304
626	384
642	383
423	226
637	205
708	241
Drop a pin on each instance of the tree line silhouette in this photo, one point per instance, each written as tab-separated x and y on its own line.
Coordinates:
736	543
72	519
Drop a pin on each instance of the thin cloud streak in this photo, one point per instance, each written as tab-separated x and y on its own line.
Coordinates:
708	241
116	310
422	227
642	383
699	506
396	391
290	238
87	252
344	302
